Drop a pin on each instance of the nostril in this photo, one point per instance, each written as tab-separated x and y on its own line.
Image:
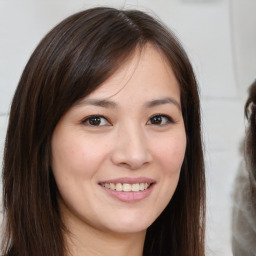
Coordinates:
133	164
131	149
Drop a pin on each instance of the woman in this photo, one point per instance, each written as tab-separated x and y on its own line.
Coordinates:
103	153
244	208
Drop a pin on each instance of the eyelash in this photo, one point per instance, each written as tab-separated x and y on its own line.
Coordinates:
169	119
87	120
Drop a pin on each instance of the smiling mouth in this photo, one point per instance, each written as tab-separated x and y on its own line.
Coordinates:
126	187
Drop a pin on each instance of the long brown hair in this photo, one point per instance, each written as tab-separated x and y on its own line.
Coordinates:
71	61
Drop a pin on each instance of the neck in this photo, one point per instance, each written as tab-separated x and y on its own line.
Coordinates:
84	240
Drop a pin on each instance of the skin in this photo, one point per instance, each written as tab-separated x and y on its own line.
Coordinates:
126	141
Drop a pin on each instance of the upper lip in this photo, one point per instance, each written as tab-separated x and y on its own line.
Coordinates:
129	180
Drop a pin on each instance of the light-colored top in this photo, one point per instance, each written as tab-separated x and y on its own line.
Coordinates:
244	215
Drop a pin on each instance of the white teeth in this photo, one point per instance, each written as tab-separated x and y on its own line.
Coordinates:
119	187
112	186
136	187
126	187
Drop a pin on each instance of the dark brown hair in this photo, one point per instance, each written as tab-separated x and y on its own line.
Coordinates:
250	149
70	62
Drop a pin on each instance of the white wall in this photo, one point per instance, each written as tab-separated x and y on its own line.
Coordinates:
212	32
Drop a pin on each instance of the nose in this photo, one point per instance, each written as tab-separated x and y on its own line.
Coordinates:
131	148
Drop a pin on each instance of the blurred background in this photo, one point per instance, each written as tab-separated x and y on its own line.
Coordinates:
220	38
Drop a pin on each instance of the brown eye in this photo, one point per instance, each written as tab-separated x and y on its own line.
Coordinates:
160	120
156	120
96	121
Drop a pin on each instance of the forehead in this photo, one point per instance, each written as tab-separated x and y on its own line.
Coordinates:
147	72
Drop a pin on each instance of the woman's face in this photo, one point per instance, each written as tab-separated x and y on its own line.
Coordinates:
117	154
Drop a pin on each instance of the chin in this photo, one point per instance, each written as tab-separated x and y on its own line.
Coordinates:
131	225
129	229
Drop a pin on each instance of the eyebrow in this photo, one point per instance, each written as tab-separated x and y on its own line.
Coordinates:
166	100
110	104
98	102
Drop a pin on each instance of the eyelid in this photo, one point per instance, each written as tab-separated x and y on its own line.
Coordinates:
168	117
84	120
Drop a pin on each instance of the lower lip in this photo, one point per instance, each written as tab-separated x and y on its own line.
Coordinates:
129	196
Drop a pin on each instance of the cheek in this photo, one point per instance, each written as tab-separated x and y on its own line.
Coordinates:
170	153
75	156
